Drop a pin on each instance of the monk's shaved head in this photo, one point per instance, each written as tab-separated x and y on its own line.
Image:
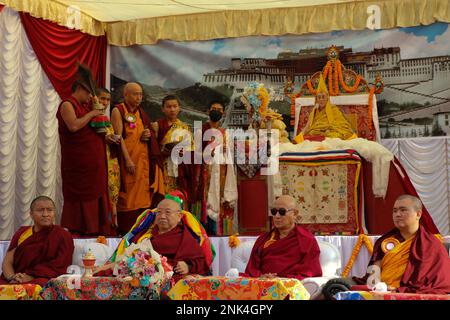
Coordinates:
131	87
170	204
284	222
132	95
285	201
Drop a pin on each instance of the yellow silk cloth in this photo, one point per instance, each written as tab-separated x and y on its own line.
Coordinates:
394	262
170	170
137	186
25	235
20	292
177	136
222	288
329	122
113	172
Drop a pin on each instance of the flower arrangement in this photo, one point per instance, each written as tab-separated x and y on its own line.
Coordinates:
257	98
143	265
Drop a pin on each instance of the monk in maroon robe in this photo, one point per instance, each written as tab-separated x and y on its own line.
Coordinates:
83	166
411	258
171	238
40	252
164	128
287	250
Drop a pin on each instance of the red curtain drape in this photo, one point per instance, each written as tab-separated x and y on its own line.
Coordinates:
59	49
1	7
379	210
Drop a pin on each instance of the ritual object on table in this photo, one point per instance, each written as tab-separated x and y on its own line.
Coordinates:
88	263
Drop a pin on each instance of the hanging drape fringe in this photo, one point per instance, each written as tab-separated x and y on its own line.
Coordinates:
239	23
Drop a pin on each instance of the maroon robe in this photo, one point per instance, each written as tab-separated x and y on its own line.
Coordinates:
294	256
180	245
84	176
428	269
44	255
176	245
186	172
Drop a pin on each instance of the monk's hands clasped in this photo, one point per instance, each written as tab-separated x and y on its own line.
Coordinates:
146	134
113	139
22	278
181	268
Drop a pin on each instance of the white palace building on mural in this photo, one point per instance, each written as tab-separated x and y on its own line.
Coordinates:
424	81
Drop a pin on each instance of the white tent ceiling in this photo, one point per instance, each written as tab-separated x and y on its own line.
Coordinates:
124	10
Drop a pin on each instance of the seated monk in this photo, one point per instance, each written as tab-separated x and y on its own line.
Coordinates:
175	234
40	252
410	258
288	250
325	120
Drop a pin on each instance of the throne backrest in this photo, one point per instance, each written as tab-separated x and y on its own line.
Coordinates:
354	107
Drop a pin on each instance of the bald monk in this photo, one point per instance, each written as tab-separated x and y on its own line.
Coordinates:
40	252
139	150
325	120
411	258
175	234
288	250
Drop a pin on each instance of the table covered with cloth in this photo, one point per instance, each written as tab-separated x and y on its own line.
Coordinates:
20	292
95	288
373	295
241	288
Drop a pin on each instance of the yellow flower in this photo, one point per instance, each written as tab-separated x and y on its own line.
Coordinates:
102	239
233	241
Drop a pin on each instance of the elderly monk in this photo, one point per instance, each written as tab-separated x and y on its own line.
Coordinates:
288	250
40	252
411	258
175	234
138	160
325	120
83	165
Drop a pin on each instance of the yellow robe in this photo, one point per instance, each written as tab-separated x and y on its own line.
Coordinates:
329	122
394	263
137	187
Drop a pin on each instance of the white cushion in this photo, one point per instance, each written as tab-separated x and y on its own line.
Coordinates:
101	252
241	254
330	259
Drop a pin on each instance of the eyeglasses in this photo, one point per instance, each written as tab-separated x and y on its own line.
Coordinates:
281	211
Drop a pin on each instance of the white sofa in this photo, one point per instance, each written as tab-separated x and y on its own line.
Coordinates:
330	261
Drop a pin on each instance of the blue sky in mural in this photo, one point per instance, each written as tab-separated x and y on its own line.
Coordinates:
430	32
172	64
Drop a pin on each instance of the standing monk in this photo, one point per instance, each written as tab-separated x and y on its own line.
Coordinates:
168	129
83	164
137	160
